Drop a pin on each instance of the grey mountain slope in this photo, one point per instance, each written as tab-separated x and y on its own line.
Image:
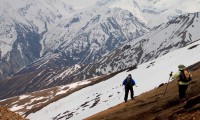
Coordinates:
22	30
81	37
102	33
85	34
167	37
25	49
99	36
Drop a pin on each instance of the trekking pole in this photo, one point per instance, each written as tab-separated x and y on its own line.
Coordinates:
167	83
121	93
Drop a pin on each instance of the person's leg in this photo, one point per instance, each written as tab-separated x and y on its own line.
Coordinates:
131	89
180	90
126	94
184	90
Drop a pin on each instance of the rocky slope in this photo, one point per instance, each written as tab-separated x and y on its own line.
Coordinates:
6	114
51	43
32	102
38	30
98	99
154	105
167	37
23	25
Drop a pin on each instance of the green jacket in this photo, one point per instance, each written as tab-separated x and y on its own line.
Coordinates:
176	75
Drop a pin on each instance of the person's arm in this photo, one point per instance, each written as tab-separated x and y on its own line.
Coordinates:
124	82
133	82
176	75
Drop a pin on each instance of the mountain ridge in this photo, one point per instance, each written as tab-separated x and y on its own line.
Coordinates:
95	99
53	14
162	40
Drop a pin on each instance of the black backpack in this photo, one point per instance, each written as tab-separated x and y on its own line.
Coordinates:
128	81
185	76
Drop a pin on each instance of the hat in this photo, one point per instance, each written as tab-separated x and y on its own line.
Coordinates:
129	75
181	67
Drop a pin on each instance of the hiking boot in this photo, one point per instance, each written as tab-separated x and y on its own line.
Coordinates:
183	100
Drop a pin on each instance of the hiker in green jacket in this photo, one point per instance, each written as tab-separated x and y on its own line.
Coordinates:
184	77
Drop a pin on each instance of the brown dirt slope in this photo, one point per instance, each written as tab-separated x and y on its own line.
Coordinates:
6	114
154	105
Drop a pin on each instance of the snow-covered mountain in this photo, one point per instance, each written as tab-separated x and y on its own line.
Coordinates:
109	92
99	29
46	39
49	43
93	99
154	12
173	35
53	26
23	25
167	37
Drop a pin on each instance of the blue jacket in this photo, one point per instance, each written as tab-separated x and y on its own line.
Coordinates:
132	82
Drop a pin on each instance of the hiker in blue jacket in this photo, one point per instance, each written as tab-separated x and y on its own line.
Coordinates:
128	83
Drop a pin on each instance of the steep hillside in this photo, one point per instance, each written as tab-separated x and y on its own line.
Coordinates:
46	40
154	105
53	44
30	102
40	30
23	24
108	93
168	37
6	114
85	98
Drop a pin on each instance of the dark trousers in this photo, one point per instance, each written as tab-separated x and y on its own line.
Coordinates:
182	91
127	89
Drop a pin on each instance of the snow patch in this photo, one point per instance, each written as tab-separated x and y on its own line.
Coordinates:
103	95
23	97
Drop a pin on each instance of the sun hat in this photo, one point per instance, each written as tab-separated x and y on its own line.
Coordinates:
181	67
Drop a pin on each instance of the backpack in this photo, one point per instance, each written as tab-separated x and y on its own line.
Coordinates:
185	76
129	81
